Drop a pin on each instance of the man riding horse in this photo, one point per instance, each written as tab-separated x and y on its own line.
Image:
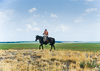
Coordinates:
45	40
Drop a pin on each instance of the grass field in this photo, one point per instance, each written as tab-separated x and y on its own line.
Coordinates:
59	46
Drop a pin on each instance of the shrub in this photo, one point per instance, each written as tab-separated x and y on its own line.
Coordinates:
88	64
82	64
91	64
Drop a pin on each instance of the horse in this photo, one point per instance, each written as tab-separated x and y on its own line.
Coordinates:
49	40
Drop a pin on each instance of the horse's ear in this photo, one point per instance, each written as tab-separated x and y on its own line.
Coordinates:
36	35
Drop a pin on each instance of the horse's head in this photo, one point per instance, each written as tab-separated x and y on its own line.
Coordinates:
37	37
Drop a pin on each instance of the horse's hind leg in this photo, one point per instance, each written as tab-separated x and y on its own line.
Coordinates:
54	47
51	48
40	46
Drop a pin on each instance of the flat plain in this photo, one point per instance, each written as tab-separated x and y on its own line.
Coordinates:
91	47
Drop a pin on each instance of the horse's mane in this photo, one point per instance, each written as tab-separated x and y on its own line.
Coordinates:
42	37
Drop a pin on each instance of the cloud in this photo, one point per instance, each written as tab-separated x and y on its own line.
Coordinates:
90	10
0	12
3	18
61	28
36	15
32	28
6	16
90	0
78	20
45	12
98	15
29	26
98	19
35	29
19	29
30	20
32	10
53	16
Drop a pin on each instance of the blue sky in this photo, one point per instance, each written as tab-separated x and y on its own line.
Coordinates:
65	20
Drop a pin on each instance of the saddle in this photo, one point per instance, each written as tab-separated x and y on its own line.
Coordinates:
45	39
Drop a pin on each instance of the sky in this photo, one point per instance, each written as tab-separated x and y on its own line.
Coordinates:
65	20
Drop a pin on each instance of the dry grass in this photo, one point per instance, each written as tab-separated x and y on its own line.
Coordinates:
45	60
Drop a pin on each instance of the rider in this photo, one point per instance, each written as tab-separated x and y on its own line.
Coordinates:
45	35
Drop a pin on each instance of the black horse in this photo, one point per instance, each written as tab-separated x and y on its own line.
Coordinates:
49	40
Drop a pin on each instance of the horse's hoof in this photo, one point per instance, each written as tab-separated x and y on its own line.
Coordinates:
50	50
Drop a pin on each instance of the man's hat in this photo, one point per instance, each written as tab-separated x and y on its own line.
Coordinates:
45	29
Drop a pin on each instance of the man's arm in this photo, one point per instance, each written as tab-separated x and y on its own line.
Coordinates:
47	33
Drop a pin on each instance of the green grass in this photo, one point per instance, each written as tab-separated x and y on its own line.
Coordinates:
94	47
19	46
79	46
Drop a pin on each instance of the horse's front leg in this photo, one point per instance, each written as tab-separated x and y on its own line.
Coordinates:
40	46
51	48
